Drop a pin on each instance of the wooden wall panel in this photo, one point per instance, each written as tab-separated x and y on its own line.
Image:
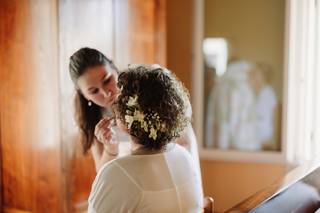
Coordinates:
11	38
42	167
29	113
140	34
160	14
179	15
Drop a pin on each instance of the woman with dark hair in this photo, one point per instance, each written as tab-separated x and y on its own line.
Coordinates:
158	175
95	79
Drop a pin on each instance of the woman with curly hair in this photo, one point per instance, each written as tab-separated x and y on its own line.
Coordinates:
158	175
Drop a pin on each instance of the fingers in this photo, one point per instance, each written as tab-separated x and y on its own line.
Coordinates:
106	134
102	124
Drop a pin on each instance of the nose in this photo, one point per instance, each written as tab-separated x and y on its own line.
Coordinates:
107	93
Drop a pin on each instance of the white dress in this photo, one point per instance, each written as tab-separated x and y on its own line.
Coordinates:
265	107
231	109
164	182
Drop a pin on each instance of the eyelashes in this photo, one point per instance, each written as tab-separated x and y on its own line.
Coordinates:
95	91
105	82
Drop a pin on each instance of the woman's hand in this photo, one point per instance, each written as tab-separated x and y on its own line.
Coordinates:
105	135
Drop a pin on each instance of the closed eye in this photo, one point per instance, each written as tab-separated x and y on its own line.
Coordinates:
94	91
107	80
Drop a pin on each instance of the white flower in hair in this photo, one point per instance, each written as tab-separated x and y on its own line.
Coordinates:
138	116
144	125
129	119
150	122
153	133
133	101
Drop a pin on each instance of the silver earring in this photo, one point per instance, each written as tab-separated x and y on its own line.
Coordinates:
89	103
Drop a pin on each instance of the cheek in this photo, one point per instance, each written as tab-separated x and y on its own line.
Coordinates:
97	98
113	84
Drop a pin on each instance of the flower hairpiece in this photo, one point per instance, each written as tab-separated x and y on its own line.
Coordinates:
149	122
133	101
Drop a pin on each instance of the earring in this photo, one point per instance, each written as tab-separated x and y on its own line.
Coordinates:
89	103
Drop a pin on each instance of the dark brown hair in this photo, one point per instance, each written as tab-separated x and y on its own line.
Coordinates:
86	116
158	92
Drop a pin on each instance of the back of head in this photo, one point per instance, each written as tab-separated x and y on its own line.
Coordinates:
152	105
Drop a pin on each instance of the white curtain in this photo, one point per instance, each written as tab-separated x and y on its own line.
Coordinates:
302	118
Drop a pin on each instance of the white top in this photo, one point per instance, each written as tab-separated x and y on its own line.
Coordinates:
188	135
230	114
265	106
163	182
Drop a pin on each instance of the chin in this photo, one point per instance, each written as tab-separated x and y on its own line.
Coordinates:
105	105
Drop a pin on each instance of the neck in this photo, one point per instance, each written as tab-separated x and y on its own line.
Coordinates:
134	146
138	149
107	112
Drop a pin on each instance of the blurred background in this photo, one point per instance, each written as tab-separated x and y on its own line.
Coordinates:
250	66
243	52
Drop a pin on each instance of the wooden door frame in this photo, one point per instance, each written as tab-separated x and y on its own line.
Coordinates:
1	173
161	32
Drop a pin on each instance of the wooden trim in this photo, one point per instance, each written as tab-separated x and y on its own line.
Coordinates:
197	74
13	210
274	157
274	189
1	173
285	88
160	32
1	156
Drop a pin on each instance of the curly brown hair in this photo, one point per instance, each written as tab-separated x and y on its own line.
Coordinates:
159	94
